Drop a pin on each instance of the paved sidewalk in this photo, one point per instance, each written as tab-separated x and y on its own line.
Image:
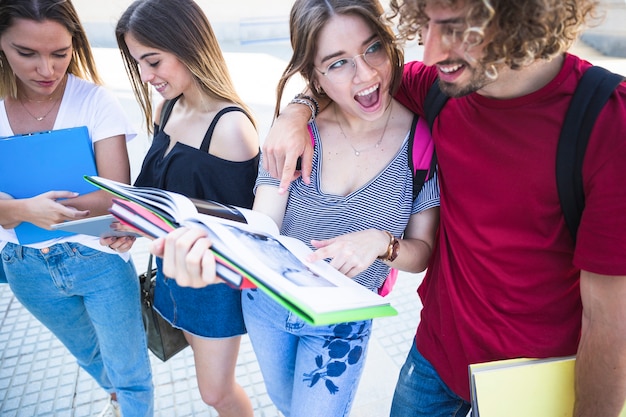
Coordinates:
38	377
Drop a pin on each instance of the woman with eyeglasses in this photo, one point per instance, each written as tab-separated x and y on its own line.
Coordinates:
358	212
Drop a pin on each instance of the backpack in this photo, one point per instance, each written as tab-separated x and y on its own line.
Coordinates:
593	90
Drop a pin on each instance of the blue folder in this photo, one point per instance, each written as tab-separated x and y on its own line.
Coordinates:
35	163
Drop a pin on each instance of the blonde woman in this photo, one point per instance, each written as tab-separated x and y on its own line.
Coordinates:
84	293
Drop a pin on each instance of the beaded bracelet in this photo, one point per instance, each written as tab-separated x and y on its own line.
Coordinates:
312	100
308	101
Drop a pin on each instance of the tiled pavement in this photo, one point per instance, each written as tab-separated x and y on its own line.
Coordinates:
38	377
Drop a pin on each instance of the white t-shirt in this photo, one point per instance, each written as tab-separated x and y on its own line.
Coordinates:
83	104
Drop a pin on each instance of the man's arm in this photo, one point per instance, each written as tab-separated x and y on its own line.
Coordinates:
601	357
288	142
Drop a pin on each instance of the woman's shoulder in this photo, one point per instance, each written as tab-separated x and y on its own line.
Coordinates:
234	136
233	118
83	94
92	105
79	87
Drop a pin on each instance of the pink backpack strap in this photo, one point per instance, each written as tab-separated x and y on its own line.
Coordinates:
312	135
390	281
422	158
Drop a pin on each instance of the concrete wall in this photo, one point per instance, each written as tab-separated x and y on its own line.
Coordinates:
249	21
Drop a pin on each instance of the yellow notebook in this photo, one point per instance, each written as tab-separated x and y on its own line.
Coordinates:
523	388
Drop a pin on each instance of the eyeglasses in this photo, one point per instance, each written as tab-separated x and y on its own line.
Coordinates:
451	35
344	69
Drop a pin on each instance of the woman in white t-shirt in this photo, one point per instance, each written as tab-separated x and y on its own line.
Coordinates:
84	293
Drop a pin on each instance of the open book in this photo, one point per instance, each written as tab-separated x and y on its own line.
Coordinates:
524	387
248	243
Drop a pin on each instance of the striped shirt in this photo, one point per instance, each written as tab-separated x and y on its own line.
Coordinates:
313	214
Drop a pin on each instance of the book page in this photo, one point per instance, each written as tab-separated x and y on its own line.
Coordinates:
278	262
169	205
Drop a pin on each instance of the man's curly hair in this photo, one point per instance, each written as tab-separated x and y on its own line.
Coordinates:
512	32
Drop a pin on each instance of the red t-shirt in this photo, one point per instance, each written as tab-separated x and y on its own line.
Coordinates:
503	281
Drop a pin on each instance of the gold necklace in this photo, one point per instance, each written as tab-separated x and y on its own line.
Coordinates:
358	152
40	118
61	88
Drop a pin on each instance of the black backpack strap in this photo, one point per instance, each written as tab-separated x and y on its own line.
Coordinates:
593	90
419	175
434	102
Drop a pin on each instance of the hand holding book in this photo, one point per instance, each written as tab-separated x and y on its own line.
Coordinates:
248	248
187	256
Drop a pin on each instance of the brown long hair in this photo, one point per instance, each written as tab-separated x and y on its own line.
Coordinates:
181	28
82	63
307	19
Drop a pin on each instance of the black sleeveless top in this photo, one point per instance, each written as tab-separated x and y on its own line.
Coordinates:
194	172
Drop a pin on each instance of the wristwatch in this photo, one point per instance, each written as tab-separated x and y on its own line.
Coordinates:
392	249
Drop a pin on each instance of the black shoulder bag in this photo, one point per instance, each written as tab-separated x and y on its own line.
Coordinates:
164	340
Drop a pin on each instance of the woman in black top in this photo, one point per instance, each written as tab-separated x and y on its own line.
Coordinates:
205	147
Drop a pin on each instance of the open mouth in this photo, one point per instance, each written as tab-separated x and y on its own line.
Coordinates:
450	72
368	97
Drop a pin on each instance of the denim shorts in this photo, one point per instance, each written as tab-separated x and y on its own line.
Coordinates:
213	311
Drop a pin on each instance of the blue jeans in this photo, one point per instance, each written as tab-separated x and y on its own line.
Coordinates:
421	393
90	301
310	371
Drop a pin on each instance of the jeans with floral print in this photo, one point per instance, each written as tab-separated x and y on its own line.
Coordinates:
310	371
